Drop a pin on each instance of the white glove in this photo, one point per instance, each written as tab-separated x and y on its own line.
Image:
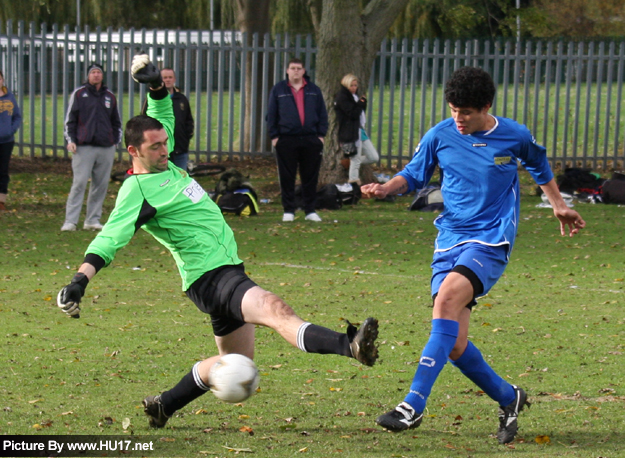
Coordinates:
145	72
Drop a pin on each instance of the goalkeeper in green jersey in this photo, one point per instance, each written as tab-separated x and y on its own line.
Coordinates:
164	201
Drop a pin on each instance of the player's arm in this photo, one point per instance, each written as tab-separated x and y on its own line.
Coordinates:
567	216
158	103
397	185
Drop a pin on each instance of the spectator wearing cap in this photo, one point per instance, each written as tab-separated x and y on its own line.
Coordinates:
92	130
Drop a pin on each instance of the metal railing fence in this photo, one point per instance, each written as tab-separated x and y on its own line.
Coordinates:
570	94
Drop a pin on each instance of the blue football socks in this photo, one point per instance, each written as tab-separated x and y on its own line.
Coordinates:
433	358
473	366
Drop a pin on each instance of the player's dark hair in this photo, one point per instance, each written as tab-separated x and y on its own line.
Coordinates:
136	127
470	87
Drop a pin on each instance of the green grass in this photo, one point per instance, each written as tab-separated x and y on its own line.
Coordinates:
553	325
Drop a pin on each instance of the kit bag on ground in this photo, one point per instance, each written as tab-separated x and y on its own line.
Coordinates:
328	198
234	194
579	182
428	199
349	193
613	190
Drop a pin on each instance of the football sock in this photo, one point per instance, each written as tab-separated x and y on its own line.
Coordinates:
433	358
190	387
473	366
317	339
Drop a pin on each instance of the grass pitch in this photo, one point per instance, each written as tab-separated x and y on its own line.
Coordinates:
553	325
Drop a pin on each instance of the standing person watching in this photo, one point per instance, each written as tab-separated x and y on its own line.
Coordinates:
298	122
479	152
171	206
10	121
350	113
183	132
92	129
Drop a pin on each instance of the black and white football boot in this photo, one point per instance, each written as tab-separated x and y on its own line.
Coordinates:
400	418
508	415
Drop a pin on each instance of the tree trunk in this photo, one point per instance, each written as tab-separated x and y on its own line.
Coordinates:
253	17
348	40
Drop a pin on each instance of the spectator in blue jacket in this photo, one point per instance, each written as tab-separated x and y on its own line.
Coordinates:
10	121
298	121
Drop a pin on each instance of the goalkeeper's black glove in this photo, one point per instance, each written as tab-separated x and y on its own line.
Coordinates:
145	72
70	296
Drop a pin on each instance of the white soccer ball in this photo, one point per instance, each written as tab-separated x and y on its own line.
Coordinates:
234	378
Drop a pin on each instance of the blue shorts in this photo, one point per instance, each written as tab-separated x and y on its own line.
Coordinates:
486	262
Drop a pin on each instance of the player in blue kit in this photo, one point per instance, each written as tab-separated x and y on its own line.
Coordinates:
478	155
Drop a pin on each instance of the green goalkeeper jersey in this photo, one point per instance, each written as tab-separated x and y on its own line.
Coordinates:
176	211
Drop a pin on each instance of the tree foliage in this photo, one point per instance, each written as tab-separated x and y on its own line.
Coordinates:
418	19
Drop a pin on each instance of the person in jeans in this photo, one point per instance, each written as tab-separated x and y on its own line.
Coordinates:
350	113
298	122
92	131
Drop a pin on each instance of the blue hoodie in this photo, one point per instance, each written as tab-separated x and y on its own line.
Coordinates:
10	116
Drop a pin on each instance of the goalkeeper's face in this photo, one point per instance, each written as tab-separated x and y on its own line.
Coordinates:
151	156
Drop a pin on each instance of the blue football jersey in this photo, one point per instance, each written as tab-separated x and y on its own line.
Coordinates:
480	180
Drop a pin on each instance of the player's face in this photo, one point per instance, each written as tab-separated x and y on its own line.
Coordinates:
353	88
470	120
95	77
169	79
295	72
151	156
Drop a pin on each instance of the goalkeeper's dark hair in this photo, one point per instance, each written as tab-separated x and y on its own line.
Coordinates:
470	87
135	128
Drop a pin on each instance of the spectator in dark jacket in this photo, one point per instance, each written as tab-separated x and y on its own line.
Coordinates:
297	121
350	114
185	125
92	130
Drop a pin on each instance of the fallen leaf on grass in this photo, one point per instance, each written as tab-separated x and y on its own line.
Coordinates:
542	439
237	450
125	423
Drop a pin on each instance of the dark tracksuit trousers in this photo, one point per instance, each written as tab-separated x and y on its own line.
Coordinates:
305	152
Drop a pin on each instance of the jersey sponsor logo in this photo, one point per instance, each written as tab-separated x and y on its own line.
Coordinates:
479	145
194	192
502	160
